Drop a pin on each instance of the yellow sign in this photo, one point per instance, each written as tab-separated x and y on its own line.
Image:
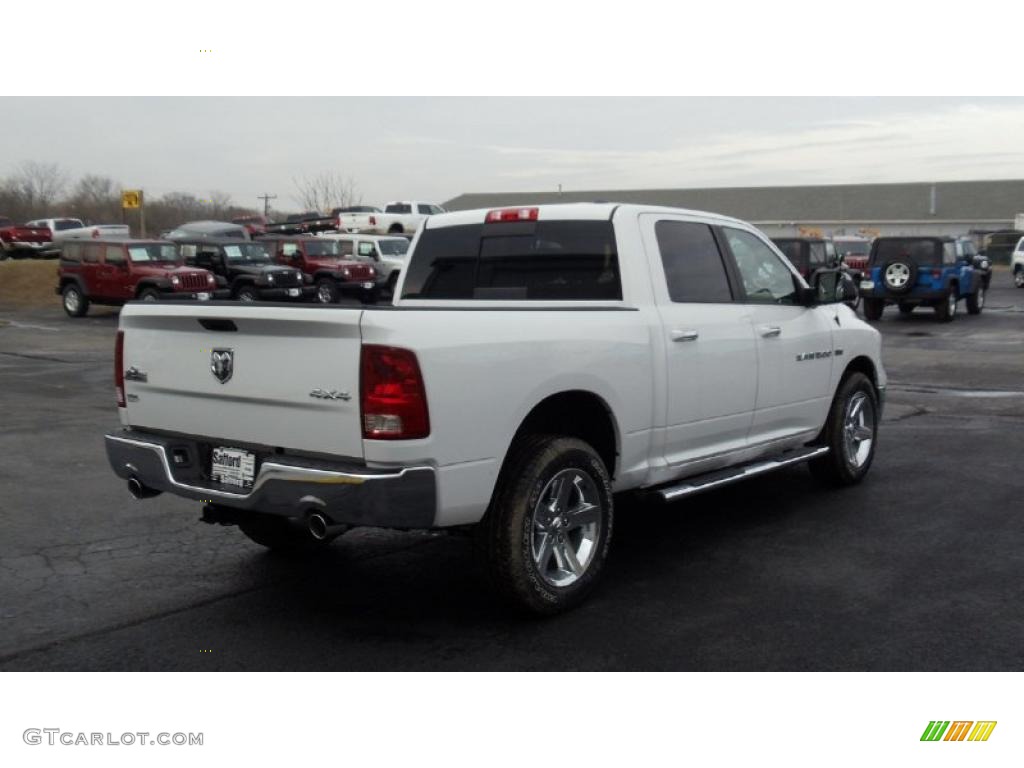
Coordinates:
131	198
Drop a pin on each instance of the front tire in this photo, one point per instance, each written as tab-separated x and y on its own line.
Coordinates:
976	301
74	301
873	309
327	291
1018	277
546	535
149	294
945	310
850	433
247	294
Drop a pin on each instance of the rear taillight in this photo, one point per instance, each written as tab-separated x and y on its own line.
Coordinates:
373	221
394	401
936	274
512	214
119	369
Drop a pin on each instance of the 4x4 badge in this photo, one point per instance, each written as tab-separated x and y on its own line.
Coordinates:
222	364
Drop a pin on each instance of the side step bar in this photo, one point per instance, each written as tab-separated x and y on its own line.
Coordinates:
722	477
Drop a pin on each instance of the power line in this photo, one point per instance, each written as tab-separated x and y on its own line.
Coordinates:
266	202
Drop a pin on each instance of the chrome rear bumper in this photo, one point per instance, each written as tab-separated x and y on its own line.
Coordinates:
289	486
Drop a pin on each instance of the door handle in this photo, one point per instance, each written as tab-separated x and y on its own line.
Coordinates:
770	331
684	335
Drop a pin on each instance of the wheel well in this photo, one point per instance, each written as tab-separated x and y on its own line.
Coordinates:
863	365
396	228
578	414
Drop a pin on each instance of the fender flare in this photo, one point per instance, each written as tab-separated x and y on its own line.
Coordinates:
76	279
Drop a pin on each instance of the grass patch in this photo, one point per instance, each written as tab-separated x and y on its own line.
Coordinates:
28	282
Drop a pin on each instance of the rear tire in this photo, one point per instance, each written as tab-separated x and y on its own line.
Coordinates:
1018	277
850	433
74	301
945	310
545	538
873	309
149	294
976	301
279	535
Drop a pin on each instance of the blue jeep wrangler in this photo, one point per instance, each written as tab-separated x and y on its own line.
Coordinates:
925	271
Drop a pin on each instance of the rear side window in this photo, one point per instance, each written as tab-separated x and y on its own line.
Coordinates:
398	208
948	253
113	255
551	261
817	255
693	265
91	254
64	224
71	252
345	247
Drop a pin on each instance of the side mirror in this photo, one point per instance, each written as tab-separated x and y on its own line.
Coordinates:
980	261
828	286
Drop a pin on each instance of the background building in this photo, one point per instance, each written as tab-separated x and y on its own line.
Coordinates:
953	207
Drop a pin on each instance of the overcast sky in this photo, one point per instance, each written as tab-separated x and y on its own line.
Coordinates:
436	148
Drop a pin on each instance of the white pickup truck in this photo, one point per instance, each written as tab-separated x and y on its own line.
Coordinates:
534	361
401	217
72	229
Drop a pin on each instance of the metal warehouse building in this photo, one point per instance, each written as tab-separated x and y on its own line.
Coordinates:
953	207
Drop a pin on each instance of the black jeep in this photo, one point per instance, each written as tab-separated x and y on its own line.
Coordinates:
246	268
809	254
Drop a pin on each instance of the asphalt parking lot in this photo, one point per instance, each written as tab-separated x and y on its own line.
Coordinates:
919	568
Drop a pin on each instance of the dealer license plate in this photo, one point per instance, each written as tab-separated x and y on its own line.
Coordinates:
293	292
203	296
231	466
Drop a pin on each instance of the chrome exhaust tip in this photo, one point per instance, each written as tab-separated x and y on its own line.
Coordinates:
139	491
322	527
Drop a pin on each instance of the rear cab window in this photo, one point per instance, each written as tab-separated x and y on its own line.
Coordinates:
398	208
556	260
921	251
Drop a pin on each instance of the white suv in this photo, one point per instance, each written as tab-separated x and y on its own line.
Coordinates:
1017	264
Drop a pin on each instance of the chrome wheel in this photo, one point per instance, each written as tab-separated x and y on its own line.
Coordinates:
980	301
72	301
566	527
323	294
1018	278
951	301
897	275
858	429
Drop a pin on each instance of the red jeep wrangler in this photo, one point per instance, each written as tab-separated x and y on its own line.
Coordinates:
326	262
113	271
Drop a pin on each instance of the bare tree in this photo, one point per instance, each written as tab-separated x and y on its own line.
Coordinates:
327	190
39	185
220	205
96	199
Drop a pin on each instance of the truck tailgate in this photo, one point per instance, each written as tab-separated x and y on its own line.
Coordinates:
290	374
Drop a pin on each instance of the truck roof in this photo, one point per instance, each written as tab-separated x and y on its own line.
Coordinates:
595	211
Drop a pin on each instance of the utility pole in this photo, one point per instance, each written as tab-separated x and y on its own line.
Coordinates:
266	202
